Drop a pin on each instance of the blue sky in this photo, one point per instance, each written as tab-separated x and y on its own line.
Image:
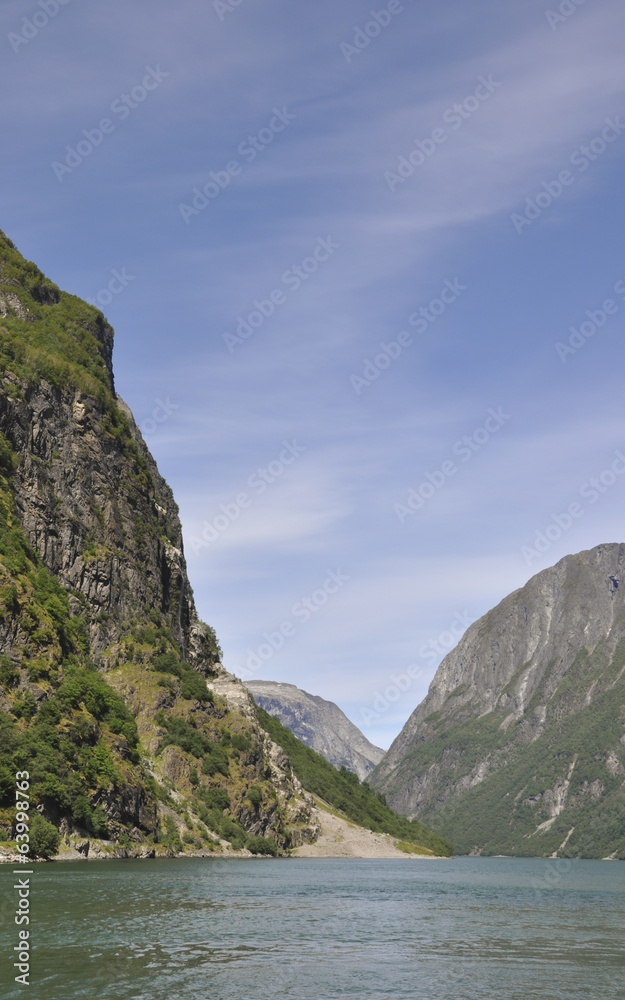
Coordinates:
357	179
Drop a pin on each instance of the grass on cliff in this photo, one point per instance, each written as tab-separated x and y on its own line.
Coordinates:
343	790
60	338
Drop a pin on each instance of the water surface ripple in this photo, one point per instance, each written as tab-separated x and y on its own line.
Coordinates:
299	929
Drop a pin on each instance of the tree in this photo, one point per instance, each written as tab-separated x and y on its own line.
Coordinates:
44	838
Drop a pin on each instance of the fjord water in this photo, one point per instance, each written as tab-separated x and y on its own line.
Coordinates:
299	929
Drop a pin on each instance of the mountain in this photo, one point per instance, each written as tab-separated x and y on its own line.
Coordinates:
319	724
519	745
104	663
133	739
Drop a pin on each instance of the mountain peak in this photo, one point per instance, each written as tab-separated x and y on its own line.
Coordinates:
534	688
319	724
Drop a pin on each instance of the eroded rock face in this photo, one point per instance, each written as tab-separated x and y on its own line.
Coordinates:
128	806
105	523
534	690
318	723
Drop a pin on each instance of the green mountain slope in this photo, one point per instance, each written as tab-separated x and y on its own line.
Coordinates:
103	660
343	790
519	747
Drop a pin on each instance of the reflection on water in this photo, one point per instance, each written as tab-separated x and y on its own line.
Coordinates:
205	929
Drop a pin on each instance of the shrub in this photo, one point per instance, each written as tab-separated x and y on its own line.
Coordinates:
24	707
255	795
262	845
50	712
88	687
216	763
9	675
216	798
194	688
192	685
8	458
44	838
50	786
103	763
171	837
166	663
232	831
181	734
7	785
241	742
81	811
146	636
39	669
8	594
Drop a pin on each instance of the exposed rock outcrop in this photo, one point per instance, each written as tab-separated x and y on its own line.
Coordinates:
521	735
319	724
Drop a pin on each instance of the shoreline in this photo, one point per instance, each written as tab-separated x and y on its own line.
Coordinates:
150	853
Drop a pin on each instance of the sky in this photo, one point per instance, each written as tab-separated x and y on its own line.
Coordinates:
366	271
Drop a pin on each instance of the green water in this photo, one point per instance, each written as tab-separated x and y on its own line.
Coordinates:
204	929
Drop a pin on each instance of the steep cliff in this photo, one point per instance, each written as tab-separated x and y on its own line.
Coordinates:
519	746
104	663
319	724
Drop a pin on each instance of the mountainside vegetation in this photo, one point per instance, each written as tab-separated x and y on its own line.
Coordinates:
519	748
343	790
103	661
108	679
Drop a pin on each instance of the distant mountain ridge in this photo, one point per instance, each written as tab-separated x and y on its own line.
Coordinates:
318	723
519	746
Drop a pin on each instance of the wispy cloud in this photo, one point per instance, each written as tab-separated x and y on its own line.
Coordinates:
324	177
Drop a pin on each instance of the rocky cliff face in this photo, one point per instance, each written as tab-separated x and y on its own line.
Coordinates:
103	661
519	746
319	724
